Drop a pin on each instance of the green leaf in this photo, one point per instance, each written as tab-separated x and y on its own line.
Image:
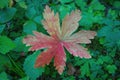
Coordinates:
81	3
89	17
85	69
65	9
1	28
31	12
6	44
116	4
4	62
20	47
110	32
102	41
111	68
99	5
3	76
69	78
65	1
29	68
38	19
112	14
3	3
100	61
22	4
25	78
107	59
7	14
29	27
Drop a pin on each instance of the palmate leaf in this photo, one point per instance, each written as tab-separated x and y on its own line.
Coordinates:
59	38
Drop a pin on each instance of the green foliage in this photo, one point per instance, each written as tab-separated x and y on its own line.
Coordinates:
29	68
21	17
3	3
29	27
111	68
4	62
19	46
111	32
116	4
22	4
1	28
90	13
31	12
3	76
25	78
7	14
85	69
6	44
65	1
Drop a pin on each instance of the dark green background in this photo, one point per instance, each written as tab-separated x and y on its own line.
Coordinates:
20	17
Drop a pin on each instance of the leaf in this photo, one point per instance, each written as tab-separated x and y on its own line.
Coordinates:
81	3
39	41
37	19
50	21
6	44
77	50
31	12
7	14
29	27
3	76
85	69
111	68
82	37
60	59
4	62
18	42
64	10
99	5
22	4
70	23
57	39
25	78
2	28
29	69
69	78
45	58
91	18
116	4
65	1
3	3
110	32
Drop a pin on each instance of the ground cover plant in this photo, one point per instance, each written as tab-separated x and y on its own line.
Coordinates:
25	22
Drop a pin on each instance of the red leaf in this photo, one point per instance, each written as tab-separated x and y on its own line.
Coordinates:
38	41
70	23
45	57
81	37
51	20
59	38
60	58
77	50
